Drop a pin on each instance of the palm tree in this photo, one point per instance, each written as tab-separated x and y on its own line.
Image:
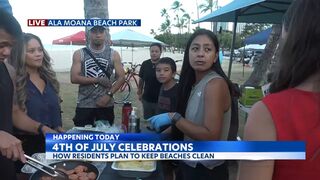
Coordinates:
210	5
164	13
152	32
197	12
178	23
177	8
187	18
96	8
166	25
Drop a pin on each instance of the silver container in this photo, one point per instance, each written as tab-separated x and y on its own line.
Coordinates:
134	172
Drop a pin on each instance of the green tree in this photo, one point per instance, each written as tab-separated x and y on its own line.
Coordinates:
180	20
210	5
166	38
225	39
164	13
152	32
177	9
187	18
175	40
253	28
166	25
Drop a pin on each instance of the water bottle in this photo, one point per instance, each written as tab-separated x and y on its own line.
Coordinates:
126	110
134	121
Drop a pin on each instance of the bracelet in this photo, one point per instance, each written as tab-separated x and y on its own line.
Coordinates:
109	93
176	117
40	128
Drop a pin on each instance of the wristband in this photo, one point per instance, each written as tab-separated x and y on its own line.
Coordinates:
175	118
40	128
109	93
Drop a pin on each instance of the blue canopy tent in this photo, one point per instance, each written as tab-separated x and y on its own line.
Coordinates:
249	11
130	38
259	38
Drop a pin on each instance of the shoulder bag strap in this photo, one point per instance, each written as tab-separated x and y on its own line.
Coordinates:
97	62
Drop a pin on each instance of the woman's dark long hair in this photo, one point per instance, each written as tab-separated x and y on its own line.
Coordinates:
187	79
300	53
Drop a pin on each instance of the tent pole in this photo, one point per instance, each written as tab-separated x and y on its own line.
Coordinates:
233	42
71	50
120	44
243	64
121	50
132	54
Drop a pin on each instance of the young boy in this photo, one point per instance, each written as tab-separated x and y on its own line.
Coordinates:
165	72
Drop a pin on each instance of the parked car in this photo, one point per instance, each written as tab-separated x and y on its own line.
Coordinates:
237	53
226	53
248	53
258	53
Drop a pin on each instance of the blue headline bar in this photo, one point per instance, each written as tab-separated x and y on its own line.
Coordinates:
149	143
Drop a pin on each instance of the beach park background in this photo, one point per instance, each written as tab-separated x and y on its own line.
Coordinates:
149	13
62	60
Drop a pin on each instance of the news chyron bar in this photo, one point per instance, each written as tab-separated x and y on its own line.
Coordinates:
127	146
83	22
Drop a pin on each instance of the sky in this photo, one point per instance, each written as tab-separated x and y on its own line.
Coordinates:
146	10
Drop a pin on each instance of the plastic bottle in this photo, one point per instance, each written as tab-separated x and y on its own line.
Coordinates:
134	121
126	110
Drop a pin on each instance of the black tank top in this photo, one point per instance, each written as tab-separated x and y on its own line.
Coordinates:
7	169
